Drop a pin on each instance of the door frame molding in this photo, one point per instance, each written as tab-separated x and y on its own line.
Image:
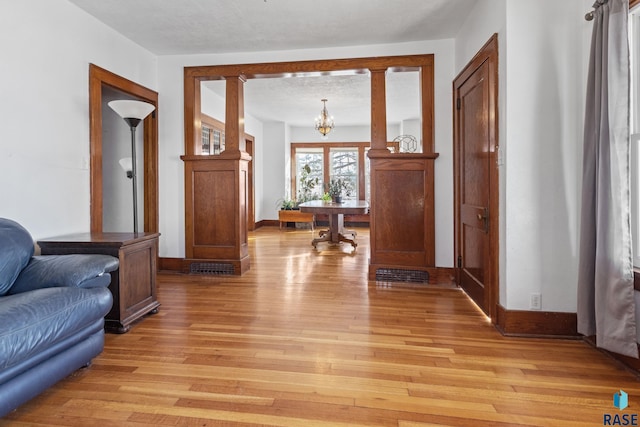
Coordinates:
487	54
99	77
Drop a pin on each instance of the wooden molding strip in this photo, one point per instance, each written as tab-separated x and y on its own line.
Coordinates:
536	323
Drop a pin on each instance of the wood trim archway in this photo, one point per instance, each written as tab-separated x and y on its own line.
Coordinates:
193	76
98	78
215	185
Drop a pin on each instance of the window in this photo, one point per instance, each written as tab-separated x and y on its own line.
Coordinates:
344	166
212	135
634	44
309	167
332	160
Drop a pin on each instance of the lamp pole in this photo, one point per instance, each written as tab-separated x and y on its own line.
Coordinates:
134	175
133	112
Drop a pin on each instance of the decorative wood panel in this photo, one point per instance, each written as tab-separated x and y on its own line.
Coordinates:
402	211
536	323
235	75
213	205
215	210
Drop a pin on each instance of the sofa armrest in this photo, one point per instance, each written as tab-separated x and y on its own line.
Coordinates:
82	271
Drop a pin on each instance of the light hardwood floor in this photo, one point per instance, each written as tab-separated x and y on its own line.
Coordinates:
303	339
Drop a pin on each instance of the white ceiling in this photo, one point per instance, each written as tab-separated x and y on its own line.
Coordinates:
170	27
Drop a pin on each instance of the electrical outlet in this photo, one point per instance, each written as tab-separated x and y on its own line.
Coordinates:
535	302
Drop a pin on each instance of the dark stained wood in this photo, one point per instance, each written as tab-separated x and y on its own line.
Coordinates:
133	284
402	211
192	115
310	68
536	323
427	74
336	212
99	77
251	210
216	187
304	339
378	110
234	116
215	217
249	148
476	226
633	3
236	74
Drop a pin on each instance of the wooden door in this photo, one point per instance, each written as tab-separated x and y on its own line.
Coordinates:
476	178
251	214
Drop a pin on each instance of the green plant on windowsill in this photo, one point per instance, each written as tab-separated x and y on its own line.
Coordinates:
305	193
286	204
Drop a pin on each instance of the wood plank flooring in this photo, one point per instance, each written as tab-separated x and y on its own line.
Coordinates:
303	339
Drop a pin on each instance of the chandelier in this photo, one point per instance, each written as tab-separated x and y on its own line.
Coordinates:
324	122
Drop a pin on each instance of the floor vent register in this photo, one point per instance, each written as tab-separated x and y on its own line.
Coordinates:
211	268
399	275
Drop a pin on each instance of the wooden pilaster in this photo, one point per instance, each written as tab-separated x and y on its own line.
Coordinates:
378	111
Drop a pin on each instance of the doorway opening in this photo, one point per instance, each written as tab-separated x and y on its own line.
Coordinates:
102	83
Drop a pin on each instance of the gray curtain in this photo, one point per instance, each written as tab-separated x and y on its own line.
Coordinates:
606	305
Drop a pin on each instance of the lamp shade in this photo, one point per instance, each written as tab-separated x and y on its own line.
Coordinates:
126	164
130	109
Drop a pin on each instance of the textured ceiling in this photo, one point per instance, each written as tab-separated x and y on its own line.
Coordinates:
171	27
348	98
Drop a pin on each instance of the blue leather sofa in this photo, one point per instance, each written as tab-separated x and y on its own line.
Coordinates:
52	312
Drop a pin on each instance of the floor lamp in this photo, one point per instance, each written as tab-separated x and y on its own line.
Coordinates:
133	112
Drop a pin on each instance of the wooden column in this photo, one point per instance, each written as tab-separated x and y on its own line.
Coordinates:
378	111
402	188
402	212
426	107
216	196
192	116
234	120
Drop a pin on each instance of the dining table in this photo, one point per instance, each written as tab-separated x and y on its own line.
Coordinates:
336	211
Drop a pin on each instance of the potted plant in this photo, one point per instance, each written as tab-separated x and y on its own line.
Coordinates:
308	184
287	204
338	187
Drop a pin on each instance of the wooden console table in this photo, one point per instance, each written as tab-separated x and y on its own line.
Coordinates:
133	284
336	211
295	215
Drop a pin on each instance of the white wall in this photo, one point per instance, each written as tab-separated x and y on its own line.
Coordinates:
545	105
276	163
542	62
46	47
170	82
